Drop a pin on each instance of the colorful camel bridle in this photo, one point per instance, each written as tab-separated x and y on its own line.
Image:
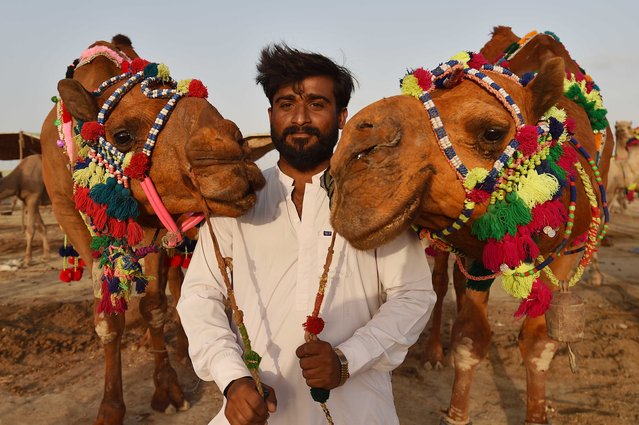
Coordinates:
102	174
523	189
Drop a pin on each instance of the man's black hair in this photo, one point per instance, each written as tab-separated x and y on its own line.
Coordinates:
280	65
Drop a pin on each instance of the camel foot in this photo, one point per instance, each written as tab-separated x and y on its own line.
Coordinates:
110	414
168	395
433	357
537	423
596	279
436	366
184	407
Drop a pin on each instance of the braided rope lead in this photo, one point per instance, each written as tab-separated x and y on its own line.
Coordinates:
314	325
251	358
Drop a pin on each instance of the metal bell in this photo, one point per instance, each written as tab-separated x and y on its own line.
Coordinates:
566	318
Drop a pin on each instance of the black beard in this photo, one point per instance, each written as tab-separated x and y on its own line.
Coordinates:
301	156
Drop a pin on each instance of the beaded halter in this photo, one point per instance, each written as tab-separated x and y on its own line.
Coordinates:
101	175
523	187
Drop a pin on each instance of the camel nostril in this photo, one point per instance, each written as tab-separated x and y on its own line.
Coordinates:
364	125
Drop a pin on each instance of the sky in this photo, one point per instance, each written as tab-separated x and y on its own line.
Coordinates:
219	42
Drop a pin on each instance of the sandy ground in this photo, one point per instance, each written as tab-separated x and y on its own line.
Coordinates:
51	362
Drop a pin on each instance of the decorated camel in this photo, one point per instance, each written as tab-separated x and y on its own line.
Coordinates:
623	177
126	151
503	170
25	183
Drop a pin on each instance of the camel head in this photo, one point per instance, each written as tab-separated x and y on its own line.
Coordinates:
623	134
390	169
141	126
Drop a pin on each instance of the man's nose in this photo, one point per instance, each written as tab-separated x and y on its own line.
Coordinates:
301	115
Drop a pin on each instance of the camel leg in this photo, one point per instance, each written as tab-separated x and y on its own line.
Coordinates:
29	207
168	394
459	283
433	354
471	341
537	349
110	329
42	230
176	277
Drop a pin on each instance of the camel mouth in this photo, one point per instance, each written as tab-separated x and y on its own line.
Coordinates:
370	237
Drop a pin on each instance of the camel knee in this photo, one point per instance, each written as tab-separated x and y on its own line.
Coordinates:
106	333
467	354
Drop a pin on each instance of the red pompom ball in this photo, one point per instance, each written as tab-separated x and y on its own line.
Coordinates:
477	60
138	167
424	78
176	261
527	138
570	125
77	274
478	196
138	64
197	89
314	325
186	262
505	64
125	66
66	275
92	130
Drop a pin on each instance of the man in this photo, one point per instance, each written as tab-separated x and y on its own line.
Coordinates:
278	250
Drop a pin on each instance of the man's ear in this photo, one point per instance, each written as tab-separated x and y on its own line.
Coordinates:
80	103
547	87
341	117
259	145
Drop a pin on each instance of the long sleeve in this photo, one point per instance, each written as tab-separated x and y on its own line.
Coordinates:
213	346
383	342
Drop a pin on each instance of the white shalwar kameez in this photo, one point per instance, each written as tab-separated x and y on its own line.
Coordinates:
277	262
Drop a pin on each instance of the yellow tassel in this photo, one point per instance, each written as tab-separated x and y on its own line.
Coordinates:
97	177
183	86
518	286
127	160
558	113
462	57
163	72
474	176
536	189
411	87
632	187
82	176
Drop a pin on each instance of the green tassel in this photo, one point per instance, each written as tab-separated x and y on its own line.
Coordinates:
104	193
320	395
490	225
122	205
99	242
516	213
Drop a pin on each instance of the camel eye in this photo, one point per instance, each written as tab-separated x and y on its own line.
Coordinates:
493	135
122	139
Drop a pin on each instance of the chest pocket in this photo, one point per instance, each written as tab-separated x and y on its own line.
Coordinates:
340	263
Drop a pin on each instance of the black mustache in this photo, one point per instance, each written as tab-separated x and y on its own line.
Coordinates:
312	131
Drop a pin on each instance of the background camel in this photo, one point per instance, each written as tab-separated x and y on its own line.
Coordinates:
389	171
25	183
198	162
624	167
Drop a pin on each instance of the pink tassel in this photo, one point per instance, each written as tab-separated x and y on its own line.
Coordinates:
537	302
134	233
493	255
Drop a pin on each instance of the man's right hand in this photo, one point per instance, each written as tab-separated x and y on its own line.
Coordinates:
245	406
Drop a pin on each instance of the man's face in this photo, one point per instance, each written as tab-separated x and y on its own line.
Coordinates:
305	122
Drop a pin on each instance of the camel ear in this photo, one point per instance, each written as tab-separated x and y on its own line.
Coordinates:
80	103
548	86
259	145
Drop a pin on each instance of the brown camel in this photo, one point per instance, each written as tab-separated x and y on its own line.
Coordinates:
440	161
198	162
25	183
624	167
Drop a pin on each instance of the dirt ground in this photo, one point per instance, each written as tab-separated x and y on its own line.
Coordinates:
51	363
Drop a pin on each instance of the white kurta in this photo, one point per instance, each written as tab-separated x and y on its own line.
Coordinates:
277	262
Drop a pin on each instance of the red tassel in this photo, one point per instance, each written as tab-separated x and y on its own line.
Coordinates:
527	138
120	305
81	197
99	217
528	249
570	125
197	89
314	325
551	213
81	262
186	262
511	251
95	254
493	255
117	228
138	167
477	60
424	78
138	64
537	302
134	232
478	196
125	66
567	160
91	131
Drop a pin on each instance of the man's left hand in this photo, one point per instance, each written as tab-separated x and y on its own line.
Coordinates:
320	365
